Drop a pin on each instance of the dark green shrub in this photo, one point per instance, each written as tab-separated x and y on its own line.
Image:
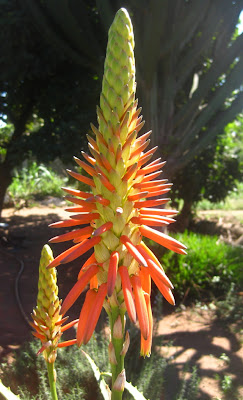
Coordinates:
27	375
208	269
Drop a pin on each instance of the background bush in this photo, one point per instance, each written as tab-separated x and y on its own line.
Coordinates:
208	269
35	181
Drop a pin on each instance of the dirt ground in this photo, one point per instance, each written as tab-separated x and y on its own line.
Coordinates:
194	334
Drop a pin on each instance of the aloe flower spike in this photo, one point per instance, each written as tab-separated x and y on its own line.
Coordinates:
120	211
47	318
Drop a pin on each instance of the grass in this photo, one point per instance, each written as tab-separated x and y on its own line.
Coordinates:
35	182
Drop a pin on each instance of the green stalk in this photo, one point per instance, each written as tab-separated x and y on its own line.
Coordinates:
52	380
117	340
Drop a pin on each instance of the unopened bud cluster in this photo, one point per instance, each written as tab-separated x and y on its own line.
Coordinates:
46	315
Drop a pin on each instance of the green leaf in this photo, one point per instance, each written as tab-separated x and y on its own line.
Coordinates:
6	393
134	392
131	389
102	384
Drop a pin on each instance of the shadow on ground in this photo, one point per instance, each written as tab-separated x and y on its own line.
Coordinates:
214	350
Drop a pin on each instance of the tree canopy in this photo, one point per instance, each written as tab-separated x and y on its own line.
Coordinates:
212	174
189	73
38	81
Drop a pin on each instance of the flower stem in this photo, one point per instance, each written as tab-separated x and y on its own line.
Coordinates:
117	323
52	380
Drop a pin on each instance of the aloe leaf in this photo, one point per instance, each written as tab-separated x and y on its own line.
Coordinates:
130	388
102	384
134	391
7	394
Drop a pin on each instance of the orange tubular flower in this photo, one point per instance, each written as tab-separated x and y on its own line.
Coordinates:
120	206
146	286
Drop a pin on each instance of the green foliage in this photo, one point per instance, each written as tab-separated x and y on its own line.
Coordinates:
208	270
234	201
226	383
5	136
75	378
217	188
81	374
27	375
225	358
189	388
48	97
214	173
230	309
147	374
226	166
38	82
235	130
34	181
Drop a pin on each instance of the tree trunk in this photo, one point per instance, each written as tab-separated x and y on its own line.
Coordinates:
5	180
184	218
13	158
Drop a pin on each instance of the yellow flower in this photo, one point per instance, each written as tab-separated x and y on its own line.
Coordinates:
47	319
121	209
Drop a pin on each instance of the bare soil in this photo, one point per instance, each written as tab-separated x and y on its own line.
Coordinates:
195	335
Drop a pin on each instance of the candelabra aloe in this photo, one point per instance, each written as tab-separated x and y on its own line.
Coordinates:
120	211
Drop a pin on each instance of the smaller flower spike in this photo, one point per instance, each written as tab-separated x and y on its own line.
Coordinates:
47	317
